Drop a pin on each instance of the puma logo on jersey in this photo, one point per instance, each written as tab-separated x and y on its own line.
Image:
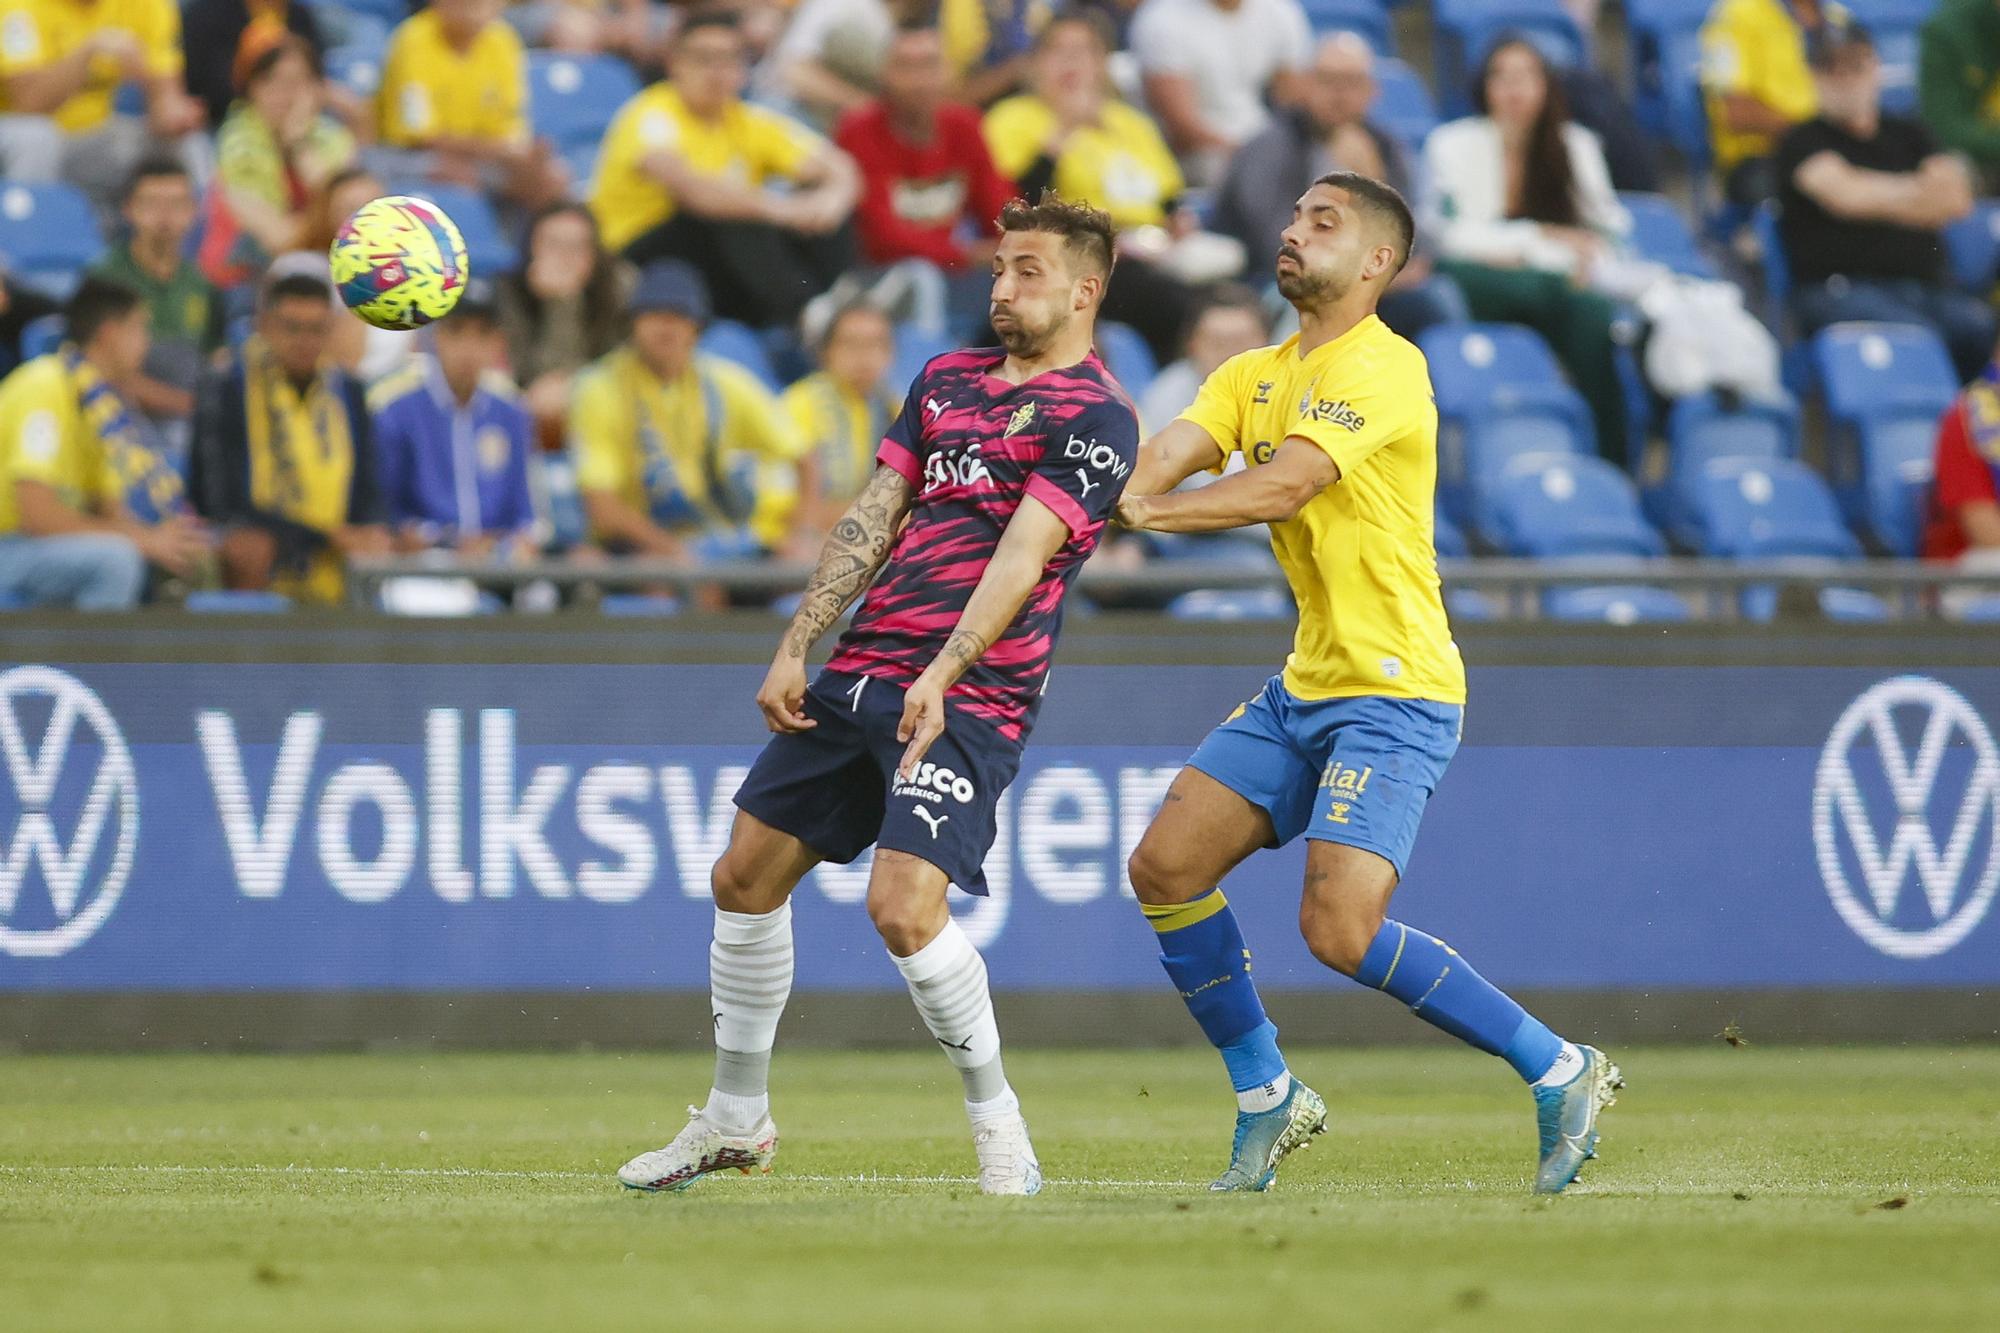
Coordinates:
1087	483
934	821
934	407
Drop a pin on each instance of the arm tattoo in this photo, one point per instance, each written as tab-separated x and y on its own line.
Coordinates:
856	549
964	647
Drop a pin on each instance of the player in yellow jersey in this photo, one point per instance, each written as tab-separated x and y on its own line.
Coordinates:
1339	431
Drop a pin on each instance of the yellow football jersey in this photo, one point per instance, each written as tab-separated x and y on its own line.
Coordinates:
1361	555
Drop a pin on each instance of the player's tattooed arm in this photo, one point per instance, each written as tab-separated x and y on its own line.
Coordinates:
854	552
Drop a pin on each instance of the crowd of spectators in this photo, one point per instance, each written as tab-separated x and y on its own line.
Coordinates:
822	177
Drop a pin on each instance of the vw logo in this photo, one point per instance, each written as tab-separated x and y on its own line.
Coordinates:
1938	795
66	789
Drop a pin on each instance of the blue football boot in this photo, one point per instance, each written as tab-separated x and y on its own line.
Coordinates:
1265	1138
1567	1118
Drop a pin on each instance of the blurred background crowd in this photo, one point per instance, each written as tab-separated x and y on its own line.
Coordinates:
1707	277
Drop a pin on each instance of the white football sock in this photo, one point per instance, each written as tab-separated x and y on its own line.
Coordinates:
947	979
1266	1096
1569	1063
749	980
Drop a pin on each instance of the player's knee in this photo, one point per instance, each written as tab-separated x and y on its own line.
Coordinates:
1338	936
905	915
1155	878
735	886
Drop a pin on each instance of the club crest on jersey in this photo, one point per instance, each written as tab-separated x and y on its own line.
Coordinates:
1023	416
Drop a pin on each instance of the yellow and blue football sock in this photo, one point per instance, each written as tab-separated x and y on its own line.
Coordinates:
1441	988
1202	949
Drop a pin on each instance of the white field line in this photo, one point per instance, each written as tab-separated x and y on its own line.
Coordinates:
477	1173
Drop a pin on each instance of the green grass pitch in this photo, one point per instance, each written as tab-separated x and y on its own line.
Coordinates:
1753	1188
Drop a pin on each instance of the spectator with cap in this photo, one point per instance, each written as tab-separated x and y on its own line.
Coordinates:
680	455
691	171
1863	201
1757	87
840	413
68	61
85	502
276	157
452	440
283	455
1214	68
1330	131
1958	81
561	310
184	311
453	105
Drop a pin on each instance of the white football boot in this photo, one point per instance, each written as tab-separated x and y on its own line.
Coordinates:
700	1149
1007	1163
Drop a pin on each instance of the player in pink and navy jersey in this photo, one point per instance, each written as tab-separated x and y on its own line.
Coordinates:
990	491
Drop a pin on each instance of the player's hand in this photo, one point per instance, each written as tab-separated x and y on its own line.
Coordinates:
923	722
1131	511
782	697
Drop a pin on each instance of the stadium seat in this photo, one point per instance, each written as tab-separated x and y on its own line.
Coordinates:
1702	429
41	336
1885	385
1745	509
225	602
730	341
914	349
1232	604
1661	234
637	604
1473	606
1404	107
48	236
1466	29
1365	17
1776	266
390	12
1561	506
1127	355
1635	605
1499	394
1450	538
487	247
356	68
1853	606
558	506
1870	369
572	98
1972	245
1660	33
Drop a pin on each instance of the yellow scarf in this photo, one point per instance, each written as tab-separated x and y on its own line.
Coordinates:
301	459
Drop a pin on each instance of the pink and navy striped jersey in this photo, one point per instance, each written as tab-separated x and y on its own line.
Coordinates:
973	446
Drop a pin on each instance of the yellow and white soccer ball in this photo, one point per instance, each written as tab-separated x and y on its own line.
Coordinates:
399	262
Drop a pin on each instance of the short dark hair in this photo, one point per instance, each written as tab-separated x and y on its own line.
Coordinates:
1385	203
1087	233
1093	21
153	168
97	301
1223	296
297	287
712	17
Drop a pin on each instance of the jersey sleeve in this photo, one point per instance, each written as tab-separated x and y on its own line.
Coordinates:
756	420
902	447
601	436
1086	464
1218	406
1351	419
1963	477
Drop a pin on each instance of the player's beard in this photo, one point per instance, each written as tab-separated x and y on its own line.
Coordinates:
1304	288
1025	341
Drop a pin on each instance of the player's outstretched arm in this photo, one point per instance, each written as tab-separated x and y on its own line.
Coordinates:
1172	456
1272	493
1032	538
854	552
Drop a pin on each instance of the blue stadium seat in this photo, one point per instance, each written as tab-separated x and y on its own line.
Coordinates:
1634	605
390	12
1682	105
357	68
730	341
1776	265
1661	234
1450	538
1745	509
1127	355
1466	29
1499	393
48	236
1853	606
572	98
1366	17
1896	460
1885	386
552	482
1473	606
41	336
1701	429
1560	506
1233	604
1873	369
914	349
1659	34
1404	107
487	248
639	604
225	602
1972	244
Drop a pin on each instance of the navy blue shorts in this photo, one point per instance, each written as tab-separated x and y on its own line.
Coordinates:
835	789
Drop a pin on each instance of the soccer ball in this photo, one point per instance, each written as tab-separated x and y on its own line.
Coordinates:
399	262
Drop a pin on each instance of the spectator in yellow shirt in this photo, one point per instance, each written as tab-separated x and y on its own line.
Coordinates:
454	104
61	66
679	455
687	170
85	503
1757	85
841	412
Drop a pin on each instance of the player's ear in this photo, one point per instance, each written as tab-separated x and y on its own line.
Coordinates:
1380	263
